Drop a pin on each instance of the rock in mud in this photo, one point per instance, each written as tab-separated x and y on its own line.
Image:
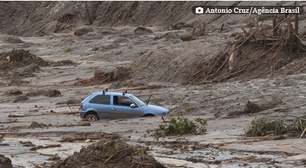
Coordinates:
14	92
11	39
52	93
20	98
113	153
26	143
142	31
5	162
82	30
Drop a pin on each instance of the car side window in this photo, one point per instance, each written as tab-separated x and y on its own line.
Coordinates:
122	101
101	99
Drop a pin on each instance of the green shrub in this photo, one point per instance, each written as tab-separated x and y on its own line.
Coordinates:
266	126
298	125
67	49
181	126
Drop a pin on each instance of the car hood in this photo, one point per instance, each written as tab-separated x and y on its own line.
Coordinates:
155	108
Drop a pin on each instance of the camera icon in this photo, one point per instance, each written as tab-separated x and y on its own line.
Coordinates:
199	10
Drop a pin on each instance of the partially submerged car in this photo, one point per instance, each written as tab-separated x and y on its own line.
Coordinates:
112	105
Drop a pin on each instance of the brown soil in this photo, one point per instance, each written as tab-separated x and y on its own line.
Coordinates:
23	63
41	18
110	153
5	162
102	76
19	58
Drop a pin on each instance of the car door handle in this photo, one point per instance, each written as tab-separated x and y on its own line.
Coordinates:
114	109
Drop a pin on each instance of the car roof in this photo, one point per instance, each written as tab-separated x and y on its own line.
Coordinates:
113	93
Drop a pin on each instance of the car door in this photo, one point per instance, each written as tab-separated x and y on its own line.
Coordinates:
101	105
121	108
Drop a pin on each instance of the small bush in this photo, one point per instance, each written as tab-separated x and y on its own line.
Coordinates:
265	126
67	49
298	125
181	126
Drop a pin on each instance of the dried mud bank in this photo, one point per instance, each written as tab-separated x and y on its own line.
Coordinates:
43	18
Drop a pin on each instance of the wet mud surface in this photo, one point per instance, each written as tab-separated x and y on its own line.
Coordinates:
224	144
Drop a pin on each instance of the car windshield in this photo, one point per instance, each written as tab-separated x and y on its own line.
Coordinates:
140	102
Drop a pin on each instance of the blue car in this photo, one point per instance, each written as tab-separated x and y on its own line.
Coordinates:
113	105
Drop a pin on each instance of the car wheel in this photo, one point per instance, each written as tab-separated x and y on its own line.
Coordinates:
91	117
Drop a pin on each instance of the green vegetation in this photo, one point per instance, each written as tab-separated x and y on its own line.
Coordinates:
266	126
67	49
181	126
299	124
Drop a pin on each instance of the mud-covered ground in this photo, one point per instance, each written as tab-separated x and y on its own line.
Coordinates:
224	144
39	103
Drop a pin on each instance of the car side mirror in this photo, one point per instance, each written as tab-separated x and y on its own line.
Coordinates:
133	105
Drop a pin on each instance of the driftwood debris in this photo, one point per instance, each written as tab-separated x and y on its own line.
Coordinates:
45	147
15	115
302	133
263	50
221	29
203	30
274	27
79	139
296	21
296	24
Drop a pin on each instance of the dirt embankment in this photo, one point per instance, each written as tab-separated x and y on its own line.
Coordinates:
192	62
40	18
259	53
107	75
22	63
